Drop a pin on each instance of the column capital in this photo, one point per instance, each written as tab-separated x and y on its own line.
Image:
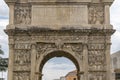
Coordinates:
33	45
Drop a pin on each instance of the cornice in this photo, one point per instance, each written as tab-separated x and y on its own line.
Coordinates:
10	1
37	31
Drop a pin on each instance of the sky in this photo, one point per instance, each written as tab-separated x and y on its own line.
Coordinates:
60	66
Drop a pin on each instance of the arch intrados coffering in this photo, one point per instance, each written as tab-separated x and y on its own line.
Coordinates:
59	54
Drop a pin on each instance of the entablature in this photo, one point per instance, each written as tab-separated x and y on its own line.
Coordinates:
58	1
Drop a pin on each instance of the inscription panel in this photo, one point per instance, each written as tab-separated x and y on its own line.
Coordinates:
59	15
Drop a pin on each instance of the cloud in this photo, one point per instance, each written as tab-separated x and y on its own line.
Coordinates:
4	37
4	10
54	70
115	42
114	17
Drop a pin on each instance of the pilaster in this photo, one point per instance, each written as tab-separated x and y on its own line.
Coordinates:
108	61
11	14
33	61
85	57
107	14
11	62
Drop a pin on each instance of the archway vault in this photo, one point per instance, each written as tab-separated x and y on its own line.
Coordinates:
59	53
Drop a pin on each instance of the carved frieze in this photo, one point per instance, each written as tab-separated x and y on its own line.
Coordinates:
60	38
22	46
96	14
96	60
21	76
42	48
97	76
22	38
22	14
25	67
96	46
22	57
96	39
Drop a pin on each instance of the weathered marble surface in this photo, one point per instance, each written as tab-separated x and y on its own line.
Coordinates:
42	29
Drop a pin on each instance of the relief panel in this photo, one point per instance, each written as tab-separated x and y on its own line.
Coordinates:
96	60
21	76
96	14
22	14
22	57
97	76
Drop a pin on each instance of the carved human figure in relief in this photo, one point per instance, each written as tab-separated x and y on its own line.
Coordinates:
22	57
96	15
22	15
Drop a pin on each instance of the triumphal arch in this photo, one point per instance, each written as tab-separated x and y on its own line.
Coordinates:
79	30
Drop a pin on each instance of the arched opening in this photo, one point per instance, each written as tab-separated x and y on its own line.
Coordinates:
53	54
58	68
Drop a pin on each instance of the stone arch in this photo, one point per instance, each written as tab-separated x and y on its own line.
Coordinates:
58	53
